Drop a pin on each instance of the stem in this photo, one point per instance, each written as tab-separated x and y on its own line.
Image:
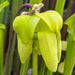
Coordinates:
70	56
8	53
23	6
49	72
70	11
35	63
24	67
15	4
10	61
16	62
42	70
1	52
11	39
60	6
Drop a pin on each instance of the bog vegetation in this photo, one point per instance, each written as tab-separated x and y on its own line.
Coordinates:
37	37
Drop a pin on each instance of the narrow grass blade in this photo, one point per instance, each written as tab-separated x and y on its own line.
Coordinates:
60	6
70	56
13	14
4	4
1	52
8	72
20	2
15	7
42	70
1	47
1	9
6	14
70	52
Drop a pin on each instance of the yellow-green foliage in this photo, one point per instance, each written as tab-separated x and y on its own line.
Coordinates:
47	26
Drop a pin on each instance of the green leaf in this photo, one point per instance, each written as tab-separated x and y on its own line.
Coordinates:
24	50
3	5
71	25
48	48
25	26
60	6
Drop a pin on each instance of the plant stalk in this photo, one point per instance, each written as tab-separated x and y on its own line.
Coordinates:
8	53
24	67
42	70
35	63
1	51
70	11
15	4
49	72
11	39
60	6
70	56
